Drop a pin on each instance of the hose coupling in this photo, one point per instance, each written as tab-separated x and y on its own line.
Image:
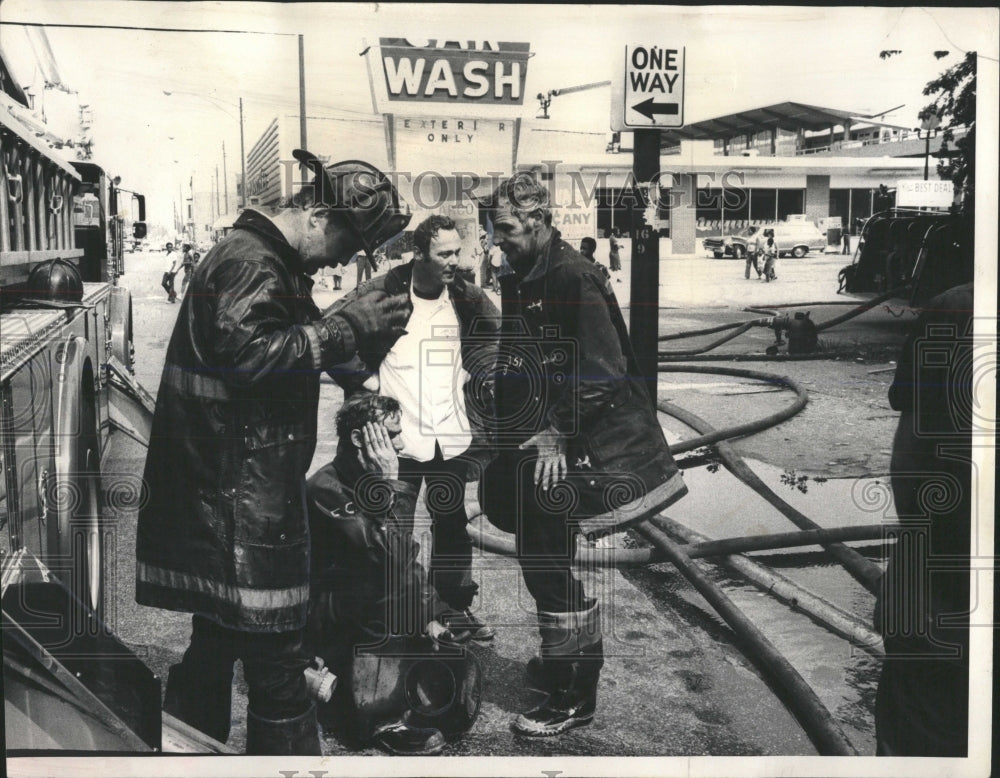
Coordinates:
320	682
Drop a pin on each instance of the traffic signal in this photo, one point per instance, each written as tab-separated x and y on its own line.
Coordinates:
139	230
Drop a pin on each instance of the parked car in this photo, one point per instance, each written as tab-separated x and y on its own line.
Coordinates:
797	236
730	245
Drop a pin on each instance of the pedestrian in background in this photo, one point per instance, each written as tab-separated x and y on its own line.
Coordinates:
187	265
753	256
168	276
223	533
770	249
847	241
481	259
614	256
587	248
499	266
364	267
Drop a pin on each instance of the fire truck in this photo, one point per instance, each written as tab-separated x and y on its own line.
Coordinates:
912	254
66	384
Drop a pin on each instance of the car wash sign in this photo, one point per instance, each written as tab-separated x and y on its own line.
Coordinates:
648	90
454	71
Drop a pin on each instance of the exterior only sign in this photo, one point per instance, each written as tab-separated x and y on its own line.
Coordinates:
917	193
448	146
648	89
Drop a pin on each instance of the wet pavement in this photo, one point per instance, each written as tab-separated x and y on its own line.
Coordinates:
675	682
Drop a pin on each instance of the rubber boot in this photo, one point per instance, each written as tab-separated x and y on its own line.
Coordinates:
537	674
199	700
572	657
296	736
405	739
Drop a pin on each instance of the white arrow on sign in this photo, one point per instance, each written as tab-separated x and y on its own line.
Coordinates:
648	89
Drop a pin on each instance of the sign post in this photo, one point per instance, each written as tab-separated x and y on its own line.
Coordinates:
644	318
647	93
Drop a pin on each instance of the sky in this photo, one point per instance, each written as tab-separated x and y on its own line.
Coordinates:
736	57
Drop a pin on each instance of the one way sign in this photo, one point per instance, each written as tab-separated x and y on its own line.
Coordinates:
649	88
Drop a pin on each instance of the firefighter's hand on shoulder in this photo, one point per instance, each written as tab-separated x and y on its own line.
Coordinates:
376	317
550	467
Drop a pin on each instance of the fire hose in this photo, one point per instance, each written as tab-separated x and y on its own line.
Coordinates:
801	330
863	570
814	717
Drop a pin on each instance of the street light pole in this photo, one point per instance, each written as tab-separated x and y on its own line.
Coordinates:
929	126
927	156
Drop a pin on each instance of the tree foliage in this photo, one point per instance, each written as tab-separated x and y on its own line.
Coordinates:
954	101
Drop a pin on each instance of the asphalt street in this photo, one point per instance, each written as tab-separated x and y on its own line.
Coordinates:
674	683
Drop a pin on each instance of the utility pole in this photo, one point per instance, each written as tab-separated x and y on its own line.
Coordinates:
302	101
190	221
243	160
302	92
217	211
225	178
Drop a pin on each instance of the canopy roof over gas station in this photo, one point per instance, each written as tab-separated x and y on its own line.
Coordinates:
786	116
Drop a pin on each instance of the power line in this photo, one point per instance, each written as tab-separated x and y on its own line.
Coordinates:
144	29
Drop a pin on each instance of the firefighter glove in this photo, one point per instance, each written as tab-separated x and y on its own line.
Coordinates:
376	317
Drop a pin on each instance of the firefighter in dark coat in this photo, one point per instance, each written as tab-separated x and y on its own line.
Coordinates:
223	534
374	616
580	446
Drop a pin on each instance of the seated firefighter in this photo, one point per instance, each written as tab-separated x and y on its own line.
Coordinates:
404	682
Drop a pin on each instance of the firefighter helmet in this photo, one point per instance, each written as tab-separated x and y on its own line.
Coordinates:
56	279
363	194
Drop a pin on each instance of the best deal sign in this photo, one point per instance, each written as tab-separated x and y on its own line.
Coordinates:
443	71
648	90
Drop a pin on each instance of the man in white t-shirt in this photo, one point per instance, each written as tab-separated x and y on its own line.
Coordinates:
437	371
168	276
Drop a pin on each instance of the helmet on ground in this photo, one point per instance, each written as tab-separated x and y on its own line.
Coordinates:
363	194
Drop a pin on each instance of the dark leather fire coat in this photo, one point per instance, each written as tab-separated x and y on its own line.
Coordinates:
224	529
566	361
368	583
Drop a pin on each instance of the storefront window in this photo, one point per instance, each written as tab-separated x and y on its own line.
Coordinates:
618	210
708	207
790	201
840	205
763	206
861	204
